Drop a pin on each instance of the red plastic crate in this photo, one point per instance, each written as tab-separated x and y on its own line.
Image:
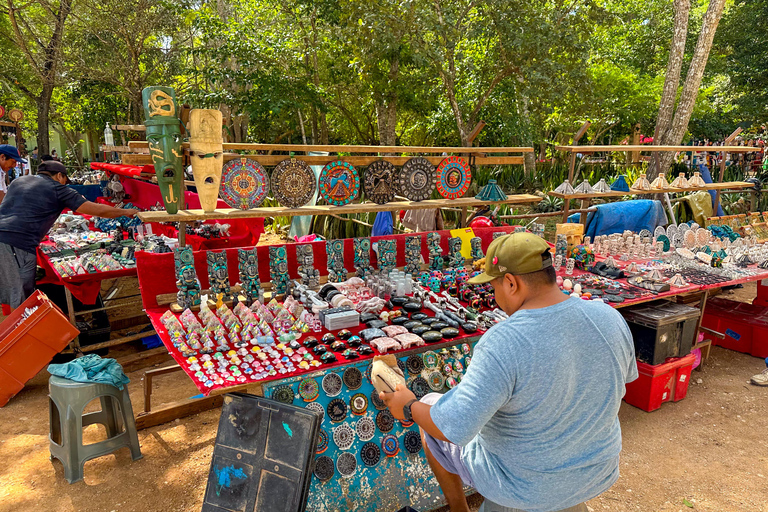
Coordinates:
760	336
661	383
27	346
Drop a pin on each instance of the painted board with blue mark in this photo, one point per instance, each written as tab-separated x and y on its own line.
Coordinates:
392	482
263	456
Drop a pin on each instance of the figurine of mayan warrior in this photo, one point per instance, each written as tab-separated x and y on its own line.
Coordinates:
476	252
206	154
186	278
248	266
455	259
305	257
278	270
387	253
218	275
164	138
335	252
412	255
362	256
436	260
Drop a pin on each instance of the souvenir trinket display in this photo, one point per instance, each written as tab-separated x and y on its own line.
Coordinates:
339	183
164	138
293	183
386	255
248	267
412	254
696	181
680	181
362	262
453	177
565	188
601	187
436	261
380	184
660	183
334	249
278	269
416	179
641	183
491	192
310	276
455	259
244	183
561	246
584	188
218	275
476	249
620	185
186	278
206	154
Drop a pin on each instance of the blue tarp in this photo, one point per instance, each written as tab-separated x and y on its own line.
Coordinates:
707	176
616	217
382	226
90	192
91	368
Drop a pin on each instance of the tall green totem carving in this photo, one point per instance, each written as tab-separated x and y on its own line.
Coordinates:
164	138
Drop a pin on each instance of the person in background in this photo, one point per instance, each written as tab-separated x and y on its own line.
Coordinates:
55	155
761	379
9	156
31	206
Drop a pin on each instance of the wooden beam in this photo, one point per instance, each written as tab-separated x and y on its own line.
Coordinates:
581	132
132	127
650	148
367	207
732	136
144	359
476	131
142	144
175	410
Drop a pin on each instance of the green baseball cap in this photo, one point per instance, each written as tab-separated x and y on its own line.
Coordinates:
518	253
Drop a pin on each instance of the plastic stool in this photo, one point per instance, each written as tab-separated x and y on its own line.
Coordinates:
67	400
489	506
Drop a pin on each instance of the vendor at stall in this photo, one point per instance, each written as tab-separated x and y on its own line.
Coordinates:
9	157
31	206
534	423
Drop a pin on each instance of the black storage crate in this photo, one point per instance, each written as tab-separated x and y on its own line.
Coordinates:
661	329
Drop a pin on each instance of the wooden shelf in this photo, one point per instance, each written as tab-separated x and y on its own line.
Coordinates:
367	207
651	148
142	144
711	186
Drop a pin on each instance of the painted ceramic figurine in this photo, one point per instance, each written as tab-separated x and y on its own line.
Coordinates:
362	256
278	269
248	265
206	154
335	252
387	250
186	278
455	259
436	260
218	275
412	255
164	138
477	249
310	276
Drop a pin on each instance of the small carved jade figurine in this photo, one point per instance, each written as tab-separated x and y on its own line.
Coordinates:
248	266
186	278
218	274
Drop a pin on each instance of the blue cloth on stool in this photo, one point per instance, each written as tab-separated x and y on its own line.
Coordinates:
616	217
91	368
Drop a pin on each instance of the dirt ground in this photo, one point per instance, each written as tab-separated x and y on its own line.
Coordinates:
710	450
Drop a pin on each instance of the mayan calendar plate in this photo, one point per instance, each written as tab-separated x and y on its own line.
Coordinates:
453	177
380	182
339	183
244	184
417	179
293	183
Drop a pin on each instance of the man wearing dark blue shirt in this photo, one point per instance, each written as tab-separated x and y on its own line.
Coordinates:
31	206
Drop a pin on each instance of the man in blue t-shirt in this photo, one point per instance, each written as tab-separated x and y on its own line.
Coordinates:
31	206
533	425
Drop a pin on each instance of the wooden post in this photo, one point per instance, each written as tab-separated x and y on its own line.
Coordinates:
463	217
182	234
634	156
720	179
74	345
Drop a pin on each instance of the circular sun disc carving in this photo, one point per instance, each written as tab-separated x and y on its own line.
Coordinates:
293	183
244	184
339	183
380	186
417	179
453	177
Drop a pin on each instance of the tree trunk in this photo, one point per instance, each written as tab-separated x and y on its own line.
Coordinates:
529	159
674	135
43	111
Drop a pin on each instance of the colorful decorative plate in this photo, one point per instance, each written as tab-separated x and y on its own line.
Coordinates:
390	445
322	442
416	179
309	389
346	464
293	183
453	177
332	384
244	184
316	407
339	183
358	404
385	421
380	184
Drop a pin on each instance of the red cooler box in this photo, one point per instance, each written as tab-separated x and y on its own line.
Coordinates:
661	383
28	344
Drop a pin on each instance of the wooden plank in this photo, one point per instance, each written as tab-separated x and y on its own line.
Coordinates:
711	186
175	410
134	127
135	159
367	207
627	147
136	144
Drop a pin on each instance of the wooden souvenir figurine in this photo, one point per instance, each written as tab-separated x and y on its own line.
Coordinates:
187	283
164	138
248	265
206	154
218	275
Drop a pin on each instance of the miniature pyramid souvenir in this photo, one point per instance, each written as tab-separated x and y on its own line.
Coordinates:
206	154
601	186
584	188
641	183
632	268
677	281
610	262
744	261
620	185
660	183
763	264
696	181
491	192
680	181
655	275
565	188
